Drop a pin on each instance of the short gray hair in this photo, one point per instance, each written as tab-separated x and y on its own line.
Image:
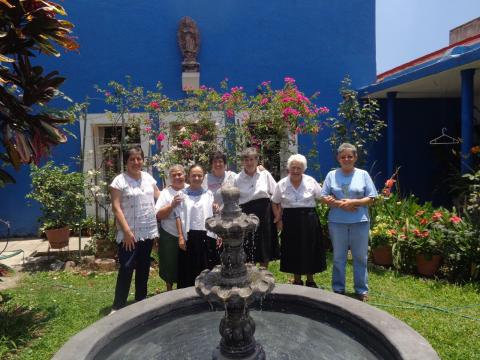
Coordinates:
251	151
176	167
347	146
297	158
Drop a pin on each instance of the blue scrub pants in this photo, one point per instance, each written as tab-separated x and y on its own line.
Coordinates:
355	237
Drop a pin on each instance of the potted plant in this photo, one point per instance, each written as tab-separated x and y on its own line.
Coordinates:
62	201
426	236
382	236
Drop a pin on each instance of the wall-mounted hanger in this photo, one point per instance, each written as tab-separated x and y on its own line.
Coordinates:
444	139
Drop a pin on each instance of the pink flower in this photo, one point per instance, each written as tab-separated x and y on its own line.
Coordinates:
186	143
437	215
455	219
423	221
161	137
289	111
226	97
264	101
266	83
289	80
322	110
203	87
236	89
148	129
107	94
109	163
230	113
154	105
298	130
287	99
195	137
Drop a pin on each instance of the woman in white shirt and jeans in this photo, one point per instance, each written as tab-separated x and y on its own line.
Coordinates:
133	196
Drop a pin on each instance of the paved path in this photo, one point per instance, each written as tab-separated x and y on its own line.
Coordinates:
31	247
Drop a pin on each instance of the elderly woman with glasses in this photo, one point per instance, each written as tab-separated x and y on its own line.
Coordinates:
348	191
294	200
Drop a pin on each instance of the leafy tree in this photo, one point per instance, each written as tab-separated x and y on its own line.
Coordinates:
28	129
357	122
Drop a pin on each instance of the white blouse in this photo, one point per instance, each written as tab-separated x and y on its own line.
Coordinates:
259	186
194	210
215	183
166	196
138	205
303	196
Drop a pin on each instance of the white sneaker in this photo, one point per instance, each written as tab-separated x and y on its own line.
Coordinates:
112	312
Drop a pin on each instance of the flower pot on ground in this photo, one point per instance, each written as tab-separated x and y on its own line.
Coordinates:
58	238
382	237
382	255
61	197
428	265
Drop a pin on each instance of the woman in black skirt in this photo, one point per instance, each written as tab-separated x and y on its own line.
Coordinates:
256	187
200	249
302	250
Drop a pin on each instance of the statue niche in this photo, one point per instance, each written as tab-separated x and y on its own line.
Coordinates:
189	42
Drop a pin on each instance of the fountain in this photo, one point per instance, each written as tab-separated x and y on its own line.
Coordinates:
235	284
292	322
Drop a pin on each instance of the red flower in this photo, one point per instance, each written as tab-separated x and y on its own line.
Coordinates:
389	183
154	105
186	143
455	219
195	137
437	215
230	113
420	213
386	192
423	221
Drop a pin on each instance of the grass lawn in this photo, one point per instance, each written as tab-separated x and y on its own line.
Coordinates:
47	308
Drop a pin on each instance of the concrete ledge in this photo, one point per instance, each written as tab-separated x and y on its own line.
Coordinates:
340	311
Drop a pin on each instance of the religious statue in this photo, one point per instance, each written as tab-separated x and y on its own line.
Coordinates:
189	41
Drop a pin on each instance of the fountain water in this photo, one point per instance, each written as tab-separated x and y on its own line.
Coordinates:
235	284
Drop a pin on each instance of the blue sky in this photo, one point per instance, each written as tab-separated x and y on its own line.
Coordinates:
408	29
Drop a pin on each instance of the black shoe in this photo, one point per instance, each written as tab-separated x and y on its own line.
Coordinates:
299	282
339	292
311	284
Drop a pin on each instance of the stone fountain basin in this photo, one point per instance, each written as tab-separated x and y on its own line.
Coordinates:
294	322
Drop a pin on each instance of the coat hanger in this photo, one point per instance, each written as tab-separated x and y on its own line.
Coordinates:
444	139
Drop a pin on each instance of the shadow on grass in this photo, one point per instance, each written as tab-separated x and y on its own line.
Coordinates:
19	325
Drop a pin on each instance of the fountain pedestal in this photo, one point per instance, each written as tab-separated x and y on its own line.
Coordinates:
233	283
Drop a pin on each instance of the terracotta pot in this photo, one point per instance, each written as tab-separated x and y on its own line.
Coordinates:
58	238
382	255
428	265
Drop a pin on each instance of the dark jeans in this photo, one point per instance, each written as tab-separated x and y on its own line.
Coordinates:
138	259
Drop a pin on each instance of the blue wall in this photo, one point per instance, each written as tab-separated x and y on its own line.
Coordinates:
315	42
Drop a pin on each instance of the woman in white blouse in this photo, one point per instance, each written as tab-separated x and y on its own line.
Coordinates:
168	245
200	249
302	247
133	196
256	188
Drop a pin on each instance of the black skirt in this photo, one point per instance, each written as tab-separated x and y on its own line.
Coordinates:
302	245
201	254
263	245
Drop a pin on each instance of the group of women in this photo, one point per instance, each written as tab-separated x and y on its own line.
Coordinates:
286	210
